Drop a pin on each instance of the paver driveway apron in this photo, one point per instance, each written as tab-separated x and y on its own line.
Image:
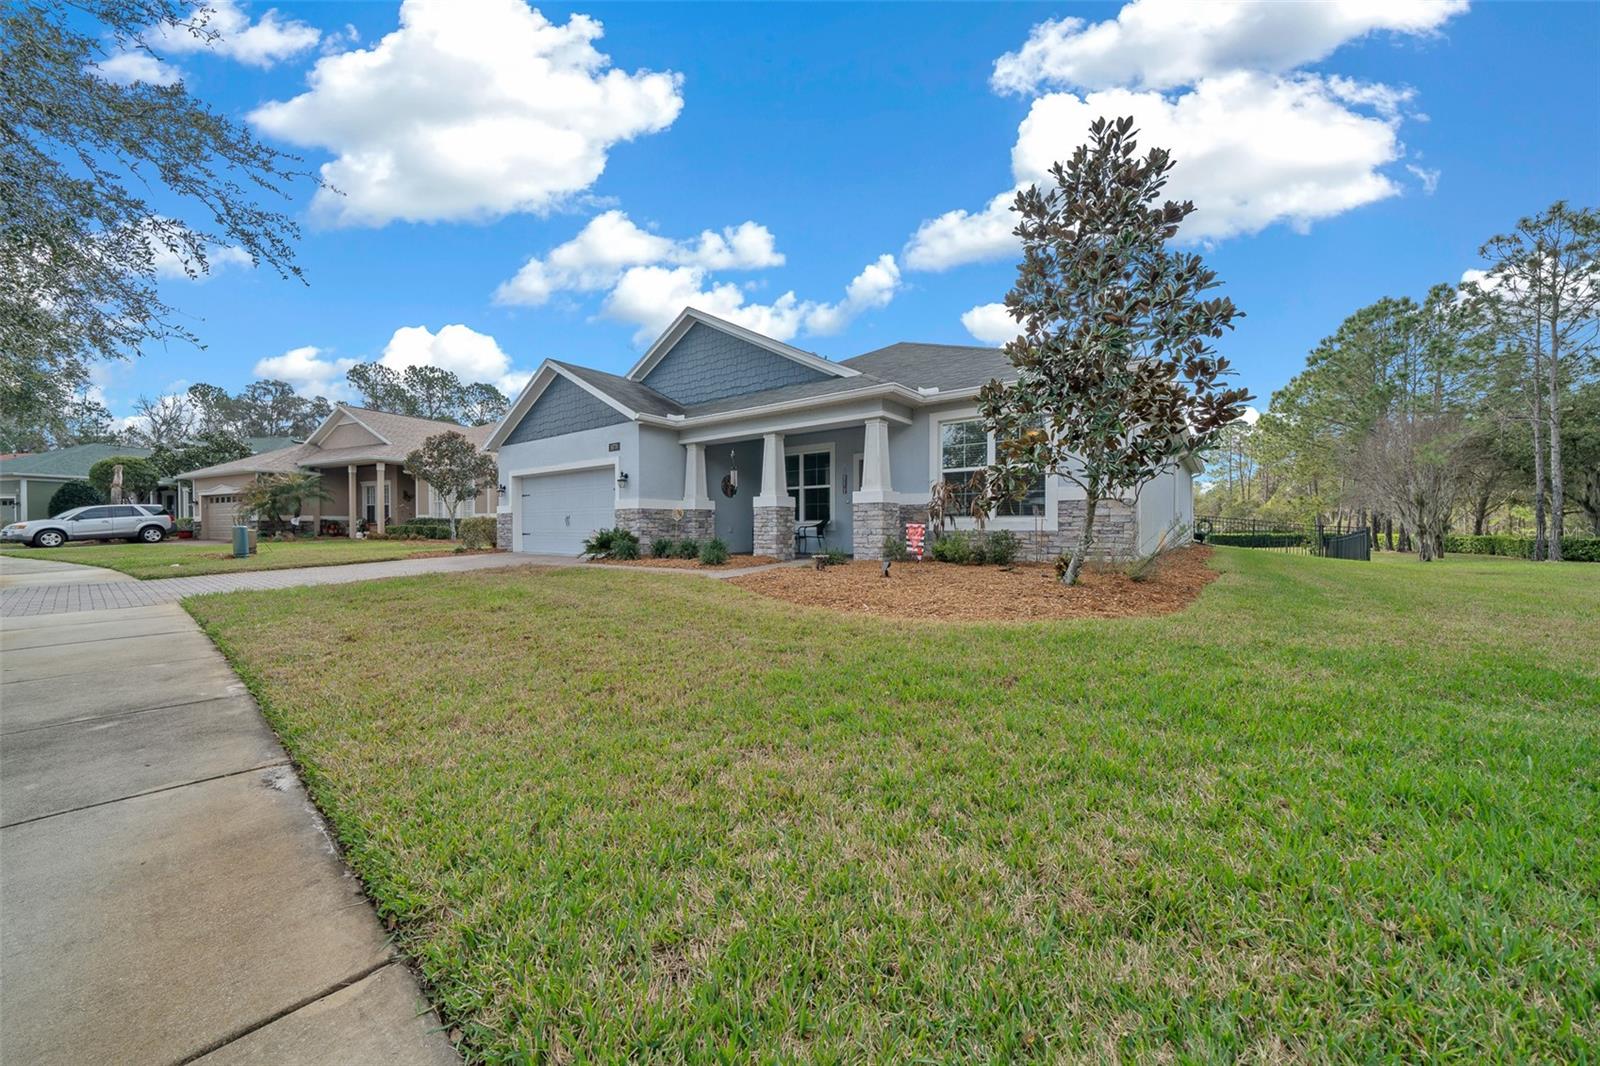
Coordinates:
170	895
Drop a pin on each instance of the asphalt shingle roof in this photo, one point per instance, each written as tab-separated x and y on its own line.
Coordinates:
404	434
937	366
631	394
73	462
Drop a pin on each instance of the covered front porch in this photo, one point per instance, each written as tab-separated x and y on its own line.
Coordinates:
828	483
365	497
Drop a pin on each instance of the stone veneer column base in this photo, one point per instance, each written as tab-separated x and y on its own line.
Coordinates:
775	531
652	523
502	530
872	522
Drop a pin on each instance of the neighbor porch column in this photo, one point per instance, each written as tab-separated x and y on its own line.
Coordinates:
873	513
350	525
316	509
382	493
773	511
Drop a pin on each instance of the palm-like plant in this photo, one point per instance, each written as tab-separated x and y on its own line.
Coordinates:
270	498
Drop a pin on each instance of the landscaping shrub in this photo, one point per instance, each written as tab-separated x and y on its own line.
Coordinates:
835	557
1003	547
687	548
613	543
74	494
662	547
953	546
1573	549
476	532
713	552
422	529
894	549
1258	540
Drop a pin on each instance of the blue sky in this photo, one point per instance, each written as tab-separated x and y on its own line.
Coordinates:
1333	160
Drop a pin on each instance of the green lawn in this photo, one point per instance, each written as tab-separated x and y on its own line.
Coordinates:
185	558
1335	810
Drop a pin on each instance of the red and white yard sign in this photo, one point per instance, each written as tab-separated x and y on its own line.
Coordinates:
915	531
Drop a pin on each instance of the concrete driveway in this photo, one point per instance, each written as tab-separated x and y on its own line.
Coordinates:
169	893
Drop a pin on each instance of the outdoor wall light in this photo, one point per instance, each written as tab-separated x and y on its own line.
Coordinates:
622	480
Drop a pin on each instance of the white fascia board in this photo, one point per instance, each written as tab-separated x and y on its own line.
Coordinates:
689	316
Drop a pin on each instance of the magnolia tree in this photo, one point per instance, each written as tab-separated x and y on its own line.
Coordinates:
1116	375
455	470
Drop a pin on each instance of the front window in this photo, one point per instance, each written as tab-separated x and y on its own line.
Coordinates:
964	450
809	476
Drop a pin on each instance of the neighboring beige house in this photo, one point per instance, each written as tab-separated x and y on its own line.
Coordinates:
360	454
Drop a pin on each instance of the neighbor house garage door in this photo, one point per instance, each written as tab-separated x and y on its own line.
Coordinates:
218	516
559	511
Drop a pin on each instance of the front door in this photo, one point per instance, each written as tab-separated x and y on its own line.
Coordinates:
369	500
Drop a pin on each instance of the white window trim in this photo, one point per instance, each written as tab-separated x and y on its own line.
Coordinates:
833	478
388	499
1019	523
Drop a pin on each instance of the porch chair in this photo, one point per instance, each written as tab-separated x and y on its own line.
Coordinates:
814	532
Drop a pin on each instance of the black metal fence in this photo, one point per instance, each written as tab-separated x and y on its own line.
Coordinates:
1336	541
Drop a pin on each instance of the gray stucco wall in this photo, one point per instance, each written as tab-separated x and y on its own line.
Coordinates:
708	364
735	523
563	408
659	473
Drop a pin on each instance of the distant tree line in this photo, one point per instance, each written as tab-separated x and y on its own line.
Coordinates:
1477	409
266	408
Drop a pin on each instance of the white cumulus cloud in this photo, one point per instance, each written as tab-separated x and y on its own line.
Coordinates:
225	30
1255	142
1161	44
468	114
991	323
468	354
648	279
650	297
308	371
611	243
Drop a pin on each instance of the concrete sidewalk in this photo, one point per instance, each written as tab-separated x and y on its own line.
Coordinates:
170	894
45	586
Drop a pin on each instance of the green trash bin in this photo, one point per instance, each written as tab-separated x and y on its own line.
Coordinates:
244	541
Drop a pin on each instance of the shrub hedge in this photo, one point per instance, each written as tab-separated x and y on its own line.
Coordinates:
713	552
974	547
74	494
476	532
1573	549
422	528
1258	540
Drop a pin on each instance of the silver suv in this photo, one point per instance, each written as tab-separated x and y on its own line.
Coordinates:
148	522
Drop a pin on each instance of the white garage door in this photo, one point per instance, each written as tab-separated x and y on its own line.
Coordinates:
559	511
218	516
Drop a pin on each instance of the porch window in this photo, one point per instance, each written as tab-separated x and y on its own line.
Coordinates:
965	449
809	476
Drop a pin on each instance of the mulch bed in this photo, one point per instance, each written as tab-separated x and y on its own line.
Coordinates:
735	562
944	592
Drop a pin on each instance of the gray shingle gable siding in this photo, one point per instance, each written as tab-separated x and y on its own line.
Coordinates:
707	364
563	408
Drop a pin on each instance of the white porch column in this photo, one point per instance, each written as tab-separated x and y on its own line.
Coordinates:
382	493
875	479
694	477
774	490
350	526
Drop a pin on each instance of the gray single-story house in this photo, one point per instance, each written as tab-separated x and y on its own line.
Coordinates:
719	430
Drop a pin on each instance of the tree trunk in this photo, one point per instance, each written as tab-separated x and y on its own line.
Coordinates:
1480	513
1081	550
1558	493
1388	532
1539	542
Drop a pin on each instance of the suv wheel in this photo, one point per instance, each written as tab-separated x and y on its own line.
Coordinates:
152	534
50	538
